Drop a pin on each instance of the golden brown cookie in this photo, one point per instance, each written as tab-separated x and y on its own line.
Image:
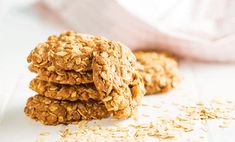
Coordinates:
53	112
62	77
159	71
72	51
68	51
39	56
116	78
82	92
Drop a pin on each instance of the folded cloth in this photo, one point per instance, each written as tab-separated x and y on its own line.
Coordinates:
202	30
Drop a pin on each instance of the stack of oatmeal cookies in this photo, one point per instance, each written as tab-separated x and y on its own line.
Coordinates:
82	77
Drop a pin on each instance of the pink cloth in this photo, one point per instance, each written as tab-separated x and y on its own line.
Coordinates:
202	30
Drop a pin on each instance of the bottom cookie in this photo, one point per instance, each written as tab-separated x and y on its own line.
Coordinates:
53	112
159	71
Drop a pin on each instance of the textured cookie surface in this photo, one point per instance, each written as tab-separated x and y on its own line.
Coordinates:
65	92
61	76
68	51
53	112
116	78
159	71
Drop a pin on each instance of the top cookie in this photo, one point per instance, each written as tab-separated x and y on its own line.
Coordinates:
68	51
116	78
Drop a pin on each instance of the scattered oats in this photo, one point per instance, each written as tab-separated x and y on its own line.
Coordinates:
216	109
229	102
202	137
175	103
44	133
157	105
225	124
145	115
82	123
135	118
144	104
116	124
203	128
162	128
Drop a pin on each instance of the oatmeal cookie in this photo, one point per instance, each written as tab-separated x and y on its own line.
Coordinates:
53	112
68	51
62	77
39	56
116	78
159	71
82	92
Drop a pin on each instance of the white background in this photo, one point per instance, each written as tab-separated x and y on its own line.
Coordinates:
21	28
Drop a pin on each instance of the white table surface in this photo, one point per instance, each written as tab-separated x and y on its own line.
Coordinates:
21	28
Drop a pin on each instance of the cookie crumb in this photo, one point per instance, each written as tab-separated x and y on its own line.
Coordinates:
44	134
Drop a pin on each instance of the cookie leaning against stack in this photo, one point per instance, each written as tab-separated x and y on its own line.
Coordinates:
83	77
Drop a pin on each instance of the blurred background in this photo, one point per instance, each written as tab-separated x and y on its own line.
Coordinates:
193	29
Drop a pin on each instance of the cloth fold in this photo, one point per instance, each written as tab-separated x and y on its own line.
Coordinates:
201	30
